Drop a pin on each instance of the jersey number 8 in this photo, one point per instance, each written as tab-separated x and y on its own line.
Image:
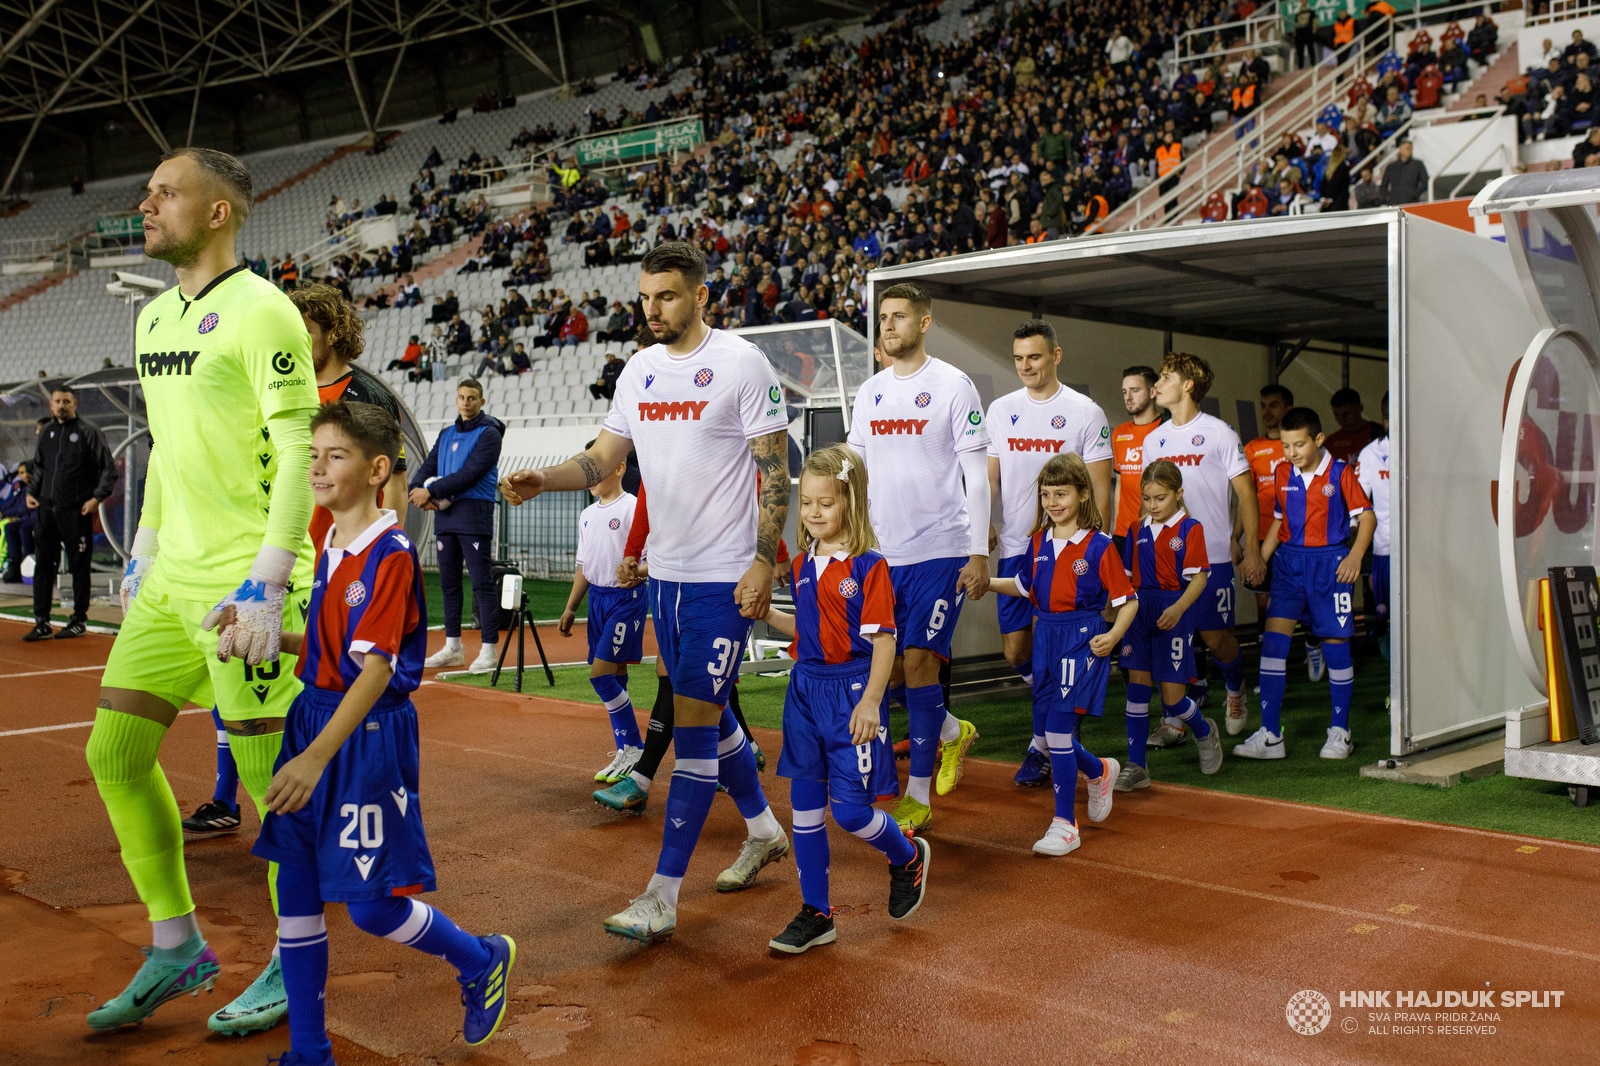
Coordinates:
367	821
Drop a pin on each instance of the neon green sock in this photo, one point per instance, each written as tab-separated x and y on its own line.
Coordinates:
144	813
255	757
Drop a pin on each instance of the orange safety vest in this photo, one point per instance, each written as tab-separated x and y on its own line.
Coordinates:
291	272
1244	97
1344	29
1099	208
1381	8
1168	156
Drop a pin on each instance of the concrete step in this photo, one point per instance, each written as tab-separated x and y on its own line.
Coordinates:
1446	766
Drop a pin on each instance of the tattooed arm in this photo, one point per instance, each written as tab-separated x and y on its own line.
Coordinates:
771	453
580	472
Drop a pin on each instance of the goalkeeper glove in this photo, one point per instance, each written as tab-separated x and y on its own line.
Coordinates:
140	559
251	617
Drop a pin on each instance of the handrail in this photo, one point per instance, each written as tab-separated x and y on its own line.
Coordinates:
1420	16
1301	102
1465	116
1265	15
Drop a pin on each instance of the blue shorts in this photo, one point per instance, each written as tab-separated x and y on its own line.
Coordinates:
1214	609
1167	655
927	603
1067	676
362	831
700	635
816	734
1016	612
616	623
1380	585
1305	589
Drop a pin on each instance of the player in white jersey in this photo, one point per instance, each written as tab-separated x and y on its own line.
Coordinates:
1372	470
615	626
1027	427
919	426
1211	457
705	413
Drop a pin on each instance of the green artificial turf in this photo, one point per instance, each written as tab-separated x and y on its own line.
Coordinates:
1514	805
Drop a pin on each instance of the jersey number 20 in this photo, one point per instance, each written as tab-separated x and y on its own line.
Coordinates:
365	821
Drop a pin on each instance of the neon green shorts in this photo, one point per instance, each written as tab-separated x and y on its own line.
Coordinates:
162	650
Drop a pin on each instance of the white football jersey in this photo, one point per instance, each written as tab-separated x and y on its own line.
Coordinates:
911	432
691	419
1372	470
602	535
1024	434
1208	454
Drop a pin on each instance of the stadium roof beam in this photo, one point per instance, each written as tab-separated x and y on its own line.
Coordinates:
67	83
26	30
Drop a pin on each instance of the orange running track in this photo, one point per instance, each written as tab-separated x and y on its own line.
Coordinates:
1177	934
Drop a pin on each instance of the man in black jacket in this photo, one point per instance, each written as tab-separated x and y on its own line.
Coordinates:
72	471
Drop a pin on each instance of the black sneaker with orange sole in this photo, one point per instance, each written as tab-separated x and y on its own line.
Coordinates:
909	882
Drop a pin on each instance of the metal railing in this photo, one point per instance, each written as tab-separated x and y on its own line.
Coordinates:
29	249
1263	28
1562	10
1225	157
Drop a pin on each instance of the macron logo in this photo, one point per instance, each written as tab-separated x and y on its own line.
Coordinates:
400	799
888	427
674	411
1029	444
363	865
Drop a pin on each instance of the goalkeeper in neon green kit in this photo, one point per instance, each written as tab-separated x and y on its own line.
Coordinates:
225	364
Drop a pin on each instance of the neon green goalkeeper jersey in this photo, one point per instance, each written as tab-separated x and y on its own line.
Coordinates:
230	390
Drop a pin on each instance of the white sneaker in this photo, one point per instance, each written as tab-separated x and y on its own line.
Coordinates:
1316	665
1339	744
1101	789
1261	745
648	919
753	855
445	656
620	764
1238	714
1059	839
488	658
1167	735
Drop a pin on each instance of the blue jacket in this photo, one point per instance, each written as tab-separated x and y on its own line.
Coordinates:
465	459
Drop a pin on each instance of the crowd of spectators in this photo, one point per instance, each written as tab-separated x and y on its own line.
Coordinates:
1557	95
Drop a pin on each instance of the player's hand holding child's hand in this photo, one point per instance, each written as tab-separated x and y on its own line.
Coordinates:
521	485
864	721
294	782
1101	645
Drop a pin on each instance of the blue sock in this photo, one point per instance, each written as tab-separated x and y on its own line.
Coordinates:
694	785
411	922
227	789
624	726
1063	766
925	711
303	954
1274	661
809	799
1088	765
1233	673
1341	680
876	828
1138	722
736	767
1187	713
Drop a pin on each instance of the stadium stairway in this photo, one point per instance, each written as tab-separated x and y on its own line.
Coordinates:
320	165
1506	66
27	292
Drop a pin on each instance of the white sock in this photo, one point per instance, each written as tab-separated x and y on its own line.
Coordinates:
1176	723
1039	745
639	779
452	643
764	826
917	788
951	728
666	888
169	933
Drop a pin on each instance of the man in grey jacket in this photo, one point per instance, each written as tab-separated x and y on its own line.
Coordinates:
1405	179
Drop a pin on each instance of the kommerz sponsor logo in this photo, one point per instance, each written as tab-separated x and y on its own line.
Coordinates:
157	364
